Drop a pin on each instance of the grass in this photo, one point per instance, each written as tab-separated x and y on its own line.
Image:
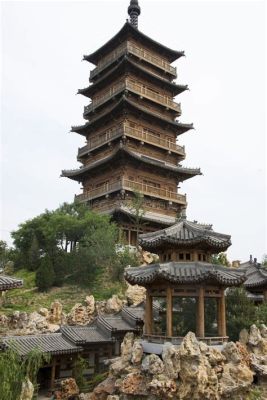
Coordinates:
29	299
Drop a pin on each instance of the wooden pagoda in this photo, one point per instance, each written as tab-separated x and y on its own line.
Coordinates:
131	131
186	270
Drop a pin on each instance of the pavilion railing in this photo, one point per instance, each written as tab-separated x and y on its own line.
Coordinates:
137	51
137	88
209	340
137	133
126	184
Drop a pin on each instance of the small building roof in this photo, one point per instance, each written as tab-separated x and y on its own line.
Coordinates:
53	343
256	276
84	334
7	283
126	31
186	233
115	323
185	273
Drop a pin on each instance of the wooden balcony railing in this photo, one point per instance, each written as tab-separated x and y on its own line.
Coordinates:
137	88
126	184
129	47
136	133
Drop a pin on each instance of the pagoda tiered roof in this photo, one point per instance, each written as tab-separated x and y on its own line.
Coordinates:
184	273
179	171
119	107
186	233
128	30
124	65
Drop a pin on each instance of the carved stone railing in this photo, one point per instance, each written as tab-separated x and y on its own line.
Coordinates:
209	340
141	53
137	88
126	184
137	133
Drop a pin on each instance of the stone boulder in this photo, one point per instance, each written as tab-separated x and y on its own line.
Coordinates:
90	304
113	305
135	294
27	390
56	313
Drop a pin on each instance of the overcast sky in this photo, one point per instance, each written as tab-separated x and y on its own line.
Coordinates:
42	47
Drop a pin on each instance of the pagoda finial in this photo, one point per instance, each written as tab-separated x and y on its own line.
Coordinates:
134	11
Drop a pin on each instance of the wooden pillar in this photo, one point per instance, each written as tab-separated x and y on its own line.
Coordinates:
53	374
219	320
222	312
201	313
265	295
195	256
149	314
169	312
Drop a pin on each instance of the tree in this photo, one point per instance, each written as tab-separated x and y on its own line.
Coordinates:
34	255
221	259
14	370
137	208
45	275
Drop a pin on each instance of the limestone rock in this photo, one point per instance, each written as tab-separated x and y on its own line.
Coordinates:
56	313
69	388
27	390
114	304
137	353
78	315
107	387
162	387
134	383
263	331
127	347
152	364
44	312
4	321
90	304
254	336
135	294
171	360
243	336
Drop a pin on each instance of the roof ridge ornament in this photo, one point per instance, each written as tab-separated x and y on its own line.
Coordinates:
134	11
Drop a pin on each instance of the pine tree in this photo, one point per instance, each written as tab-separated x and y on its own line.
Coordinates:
34	255
45	275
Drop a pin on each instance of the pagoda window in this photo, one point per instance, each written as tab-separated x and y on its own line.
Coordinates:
151	183
103	183
199	257
181	256
188	256
204	257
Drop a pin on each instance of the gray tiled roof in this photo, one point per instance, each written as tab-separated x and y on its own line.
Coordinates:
53	343
185	272
186	233
115	323
256	277
84	334
6	282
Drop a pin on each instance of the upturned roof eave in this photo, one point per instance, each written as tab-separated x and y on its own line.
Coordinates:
181	127
179	172
129	28
126	60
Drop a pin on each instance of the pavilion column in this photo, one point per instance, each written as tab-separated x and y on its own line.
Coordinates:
201	312
53	373
219	321
169	312
149	314
222	314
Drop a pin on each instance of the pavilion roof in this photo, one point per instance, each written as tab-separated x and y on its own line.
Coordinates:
256	276
147	216
117	107
181	172
184	273
126	31
53	343
186	233
124	63
7	283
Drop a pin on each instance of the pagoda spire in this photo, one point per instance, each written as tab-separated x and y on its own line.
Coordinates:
134	11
